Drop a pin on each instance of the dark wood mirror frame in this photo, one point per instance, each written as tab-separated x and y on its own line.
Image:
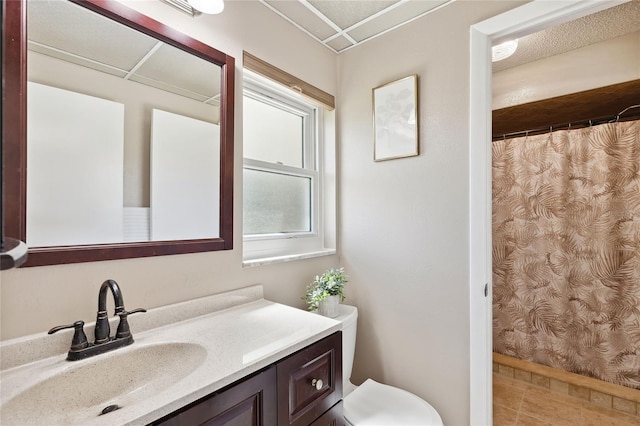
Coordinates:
14	140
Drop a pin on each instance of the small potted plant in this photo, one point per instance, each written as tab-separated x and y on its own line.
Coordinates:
326	292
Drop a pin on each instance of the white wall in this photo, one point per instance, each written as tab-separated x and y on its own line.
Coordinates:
609	62
403	224
32	300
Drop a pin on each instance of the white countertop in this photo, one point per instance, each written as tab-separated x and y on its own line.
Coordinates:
239	338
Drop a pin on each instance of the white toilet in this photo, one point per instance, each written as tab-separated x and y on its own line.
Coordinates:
372	403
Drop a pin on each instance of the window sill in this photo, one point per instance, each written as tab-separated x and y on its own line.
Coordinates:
287	258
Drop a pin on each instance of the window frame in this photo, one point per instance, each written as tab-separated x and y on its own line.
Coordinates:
279	244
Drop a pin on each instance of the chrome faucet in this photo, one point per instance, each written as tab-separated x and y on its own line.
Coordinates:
80	347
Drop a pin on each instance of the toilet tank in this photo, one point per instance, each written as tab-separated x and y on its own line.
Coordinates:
348	316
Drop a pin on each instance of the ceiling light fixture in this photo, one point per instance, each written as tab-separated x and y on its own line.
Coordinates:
503	50
211	7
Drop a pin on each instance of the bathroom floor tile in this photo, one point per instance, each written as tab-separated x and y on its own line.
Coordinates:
508	392
551	407
596	416
522	404
524	420
503	416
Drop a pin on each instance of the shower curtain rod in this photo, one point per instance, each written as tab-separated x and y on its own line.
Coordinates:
575	124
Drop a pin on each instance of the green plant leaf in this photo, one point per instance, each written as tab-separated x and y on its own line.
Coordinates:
330	283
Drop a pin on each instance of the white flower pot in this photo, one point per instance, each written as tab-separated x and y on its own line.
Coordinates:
329	306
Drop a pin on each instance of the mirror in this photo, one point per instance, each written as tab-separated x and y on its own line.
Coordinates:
122	145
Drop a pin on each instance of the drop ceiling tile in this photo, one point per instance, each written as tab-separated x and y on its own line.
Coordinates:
168	87
301	15
71	28
396	16
64	56
177	68
356	19
339	43
215	101
71	33
349	12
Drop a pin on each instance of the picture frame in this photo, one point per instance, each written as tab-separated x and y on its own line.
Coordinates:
395	119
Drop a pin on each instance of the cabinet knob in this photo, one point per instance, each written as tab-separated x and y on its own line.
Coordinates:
317	383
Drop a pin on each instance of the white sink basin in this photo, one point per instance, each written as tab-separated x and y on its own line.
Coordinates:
82	389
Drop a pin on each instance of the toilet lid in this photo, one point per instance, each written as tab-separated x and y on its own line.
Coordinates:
375	404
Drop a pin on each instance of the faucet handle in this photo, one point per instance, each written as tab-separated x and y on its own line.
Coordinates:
123	327
79	340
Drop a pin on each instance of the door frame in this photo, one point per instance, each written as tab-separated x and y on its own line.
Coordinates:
526	19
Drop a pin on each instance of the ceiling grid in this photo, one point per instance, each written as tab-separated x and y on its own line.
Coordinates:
343	24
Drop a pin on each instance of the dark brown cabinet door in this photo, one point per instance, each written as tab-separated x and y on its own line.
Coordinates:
310	382
332	417
251	402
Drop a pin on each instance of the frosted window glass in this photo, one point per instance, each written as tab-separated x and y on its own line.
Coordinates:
272	134
276	203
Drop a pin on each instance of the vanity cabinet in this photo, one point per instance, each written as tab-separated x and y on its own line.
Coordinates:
302	389
310	382
250	402
333	417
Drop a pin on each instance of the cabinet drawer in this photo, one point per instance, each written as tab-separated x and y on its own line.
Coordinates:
310	381
333	417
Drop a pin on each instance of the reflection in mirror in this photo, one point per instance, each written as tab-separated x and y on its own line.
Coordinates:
128	136
93	87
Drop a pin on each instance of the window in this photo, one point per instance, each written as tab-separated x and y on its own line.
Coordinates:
282	172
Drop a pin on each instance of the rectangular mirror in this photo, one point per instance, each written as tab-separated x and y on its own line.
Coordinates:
123	142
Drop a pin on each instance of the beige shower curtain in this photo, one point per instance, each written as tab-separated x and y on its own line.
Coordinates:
566	250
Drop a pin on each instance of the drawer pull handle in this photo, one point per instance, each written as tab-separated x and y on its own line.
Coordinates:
317	383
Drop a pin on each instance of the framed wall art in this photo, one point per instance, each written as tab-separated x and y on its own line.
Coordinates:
395	119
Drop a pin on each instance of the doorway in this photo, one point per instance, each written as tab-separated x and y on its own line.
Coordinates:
518	22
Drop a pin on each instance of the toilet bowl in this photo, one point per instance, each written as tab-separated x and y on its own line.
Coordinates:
373	403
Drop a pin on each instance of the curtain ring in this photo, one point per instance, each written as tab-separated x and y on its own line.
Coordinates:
617	125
